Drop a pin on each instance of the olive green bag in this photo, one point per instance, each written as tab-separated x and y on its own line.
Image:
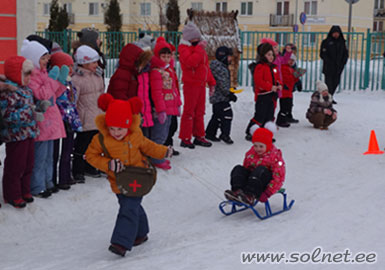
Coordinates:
133	181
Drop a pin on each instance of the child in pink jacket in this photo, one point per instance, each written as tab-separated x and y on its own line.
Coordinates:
165	95
262	173
45	86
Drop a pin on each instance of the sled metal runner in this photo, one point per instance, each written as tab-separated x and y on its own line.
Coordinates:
230	207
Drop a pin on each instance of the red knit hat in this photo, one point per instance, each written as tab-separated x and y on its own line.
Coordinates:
60	58
119	112
270	41
264	136
160	44
15	67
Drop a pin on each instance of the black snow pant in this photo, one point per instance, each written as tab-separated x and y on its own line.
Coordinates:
221	118
251	182
171	132
332	81
82	140
264	111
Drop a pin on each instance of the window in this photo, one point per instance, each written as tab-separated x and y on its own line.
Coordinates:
93	9
68	7
221	6
311	7
283	8
375	26
380	26
378	4
246	8
145	9
197	5
46	9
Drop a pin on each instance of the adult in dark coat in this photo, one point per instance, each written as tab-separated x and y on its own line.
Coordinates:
334	55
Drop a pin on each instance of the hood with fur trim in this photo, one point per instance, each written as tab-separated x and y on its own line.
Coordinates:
133	58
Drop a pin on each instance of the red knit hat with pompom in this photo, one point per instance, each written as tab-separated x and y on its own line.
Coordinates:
15	67
270	41
263	135
160	44
119	112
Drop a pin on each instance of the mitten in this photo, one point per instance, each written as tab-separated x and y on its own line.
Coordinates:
162	116
264	196
203	43
233	97
64	71
54	73
115	165
38	116
43	105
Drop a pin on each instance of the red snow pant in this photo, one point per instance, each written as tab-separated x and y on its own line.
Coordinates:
192	122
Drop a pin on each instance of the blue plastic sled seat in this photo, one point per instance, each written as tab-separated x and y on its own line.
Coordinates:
230	207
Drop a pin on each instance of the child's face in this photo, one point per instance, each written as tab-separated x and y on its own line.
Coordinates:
291	62
91	66
165	57
276	49
270	56
118	133
43	62
325	93
26	78
260	148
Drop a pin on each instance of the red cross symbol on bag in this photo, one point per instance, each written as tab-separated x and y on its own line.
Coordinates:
134	185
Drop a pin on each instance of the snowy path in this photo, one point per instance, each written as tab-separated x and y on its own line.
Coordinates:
338	192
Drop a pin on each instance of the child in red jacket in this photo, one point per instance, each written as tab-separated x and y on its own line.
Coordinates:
262	173
266	86
286	101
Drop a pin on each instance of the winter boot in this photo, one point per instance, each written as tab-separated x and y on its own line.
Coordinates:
165	165
44	194
290	117
140	240
28	198
233	195
281	120
226	139
19	203
247	198
117	249
187	144
212	138
202	142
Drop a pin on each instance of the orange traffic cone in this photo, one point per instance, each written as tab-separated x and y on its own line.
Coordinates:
373	145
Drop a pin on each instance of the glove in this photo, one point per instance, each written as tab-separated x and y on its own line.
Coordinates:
162	116
54	73
264	196
64	71
38	116
44	104
211	90
233	97
115	165
203	43
169	152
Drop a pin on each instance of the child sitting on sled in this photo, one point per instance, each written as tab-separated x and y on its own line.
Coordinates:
262	173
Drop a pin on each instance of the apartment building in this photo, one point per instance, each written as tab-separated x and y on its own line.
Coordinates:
262	15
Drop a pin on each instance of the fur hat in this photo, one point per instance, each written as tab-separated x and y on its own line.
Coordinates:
119	112
33	51
15	67
270	41
145	42
321	86
85	55
191	31
88	36
161	43
263	135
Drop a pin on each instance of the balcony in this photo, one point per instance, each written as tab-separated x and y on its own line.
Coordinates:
281	20
71	17
379	12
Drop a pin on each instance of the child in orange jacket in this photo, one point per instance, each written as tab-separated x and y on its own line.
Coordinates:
127	146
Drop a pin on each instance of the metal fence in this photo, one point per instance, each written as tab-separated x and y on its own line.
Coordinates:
364	69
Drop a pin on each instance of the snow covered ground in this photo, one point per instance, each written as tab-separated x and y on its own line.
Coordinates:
339	197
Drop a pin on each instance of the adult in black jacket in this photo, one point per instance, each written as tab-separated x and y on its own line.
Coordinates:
334	55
